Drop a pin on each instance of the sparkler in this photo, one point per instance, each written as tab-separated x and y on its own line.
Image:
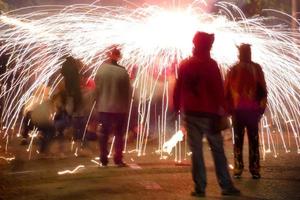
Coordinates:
153	41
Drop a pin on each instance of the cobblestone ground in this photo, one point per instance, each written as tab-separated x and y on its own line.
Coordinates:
147	177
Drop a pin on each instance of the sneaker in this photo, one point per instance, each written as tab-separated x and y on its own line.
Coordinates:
24	141
231	191
237	176
103	165
256	176
198	194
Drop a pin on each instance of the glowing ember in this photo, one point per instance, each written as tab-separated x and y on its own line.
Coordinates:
69	171
7	159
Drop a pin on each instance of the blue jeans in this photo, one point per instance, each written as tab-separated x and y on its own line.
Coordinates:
196	128
109	121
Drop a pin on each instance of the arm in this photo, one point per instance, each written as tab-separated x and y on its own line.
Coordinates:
262	88
227	93
218	87
177	90
97	81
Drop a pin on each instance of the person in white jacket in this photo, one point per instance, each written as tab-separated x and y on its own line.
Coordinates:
113	93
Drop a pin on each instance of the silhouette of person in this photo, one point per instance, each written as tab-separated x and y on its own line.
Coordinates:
246	97
199	96
113	93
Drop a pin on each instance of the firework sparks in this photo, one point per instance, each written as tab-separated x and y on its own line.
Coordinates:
170	144
152	39
7	159
70	171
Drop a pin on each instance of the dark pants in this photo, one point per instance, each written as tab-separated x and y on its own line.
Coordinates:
79	124
61	122
196	128
47	134
109	121
248	119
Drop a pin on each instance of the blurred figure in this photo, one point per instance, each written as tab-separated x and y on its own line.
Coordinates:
246	96
76	94
199	95
4	64
38	112
113	92
75	91
88	90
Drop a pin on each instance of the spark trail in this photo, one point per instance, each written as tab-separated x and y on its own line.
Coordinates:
153	40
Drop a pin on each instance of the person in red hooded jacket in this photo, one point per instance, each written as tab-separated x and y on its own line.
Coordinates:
199	96
246	96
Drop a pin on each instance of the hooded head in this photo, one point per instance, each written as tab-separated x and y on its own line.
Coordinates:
203	42
245	52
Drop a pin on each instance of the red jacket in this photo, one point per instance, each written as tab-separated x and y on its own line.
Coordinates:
199	87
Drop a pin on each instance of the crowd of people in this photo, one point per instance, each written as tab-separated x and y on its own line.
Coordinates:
201	97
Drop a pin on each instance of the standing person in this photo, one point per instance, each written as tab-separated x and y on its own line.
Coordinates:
113	92
4	62
71	111
246	94
199	95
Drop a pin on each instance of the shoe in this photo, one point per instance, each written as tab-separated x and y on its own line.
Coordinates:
24	142
121	164
231	191
256	176
62	156
198	194
103	165
237	176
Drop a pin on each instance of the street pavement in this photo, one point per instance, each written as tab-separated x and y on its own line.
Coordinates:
146	177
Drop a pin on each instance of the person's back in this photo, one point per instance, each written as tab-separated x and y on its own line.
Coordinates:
202	87
112	88
245	83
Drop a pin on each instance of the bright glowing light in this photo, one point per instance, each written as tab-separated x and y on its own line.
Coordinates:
94	161
170	144
70	171
7	159
152	39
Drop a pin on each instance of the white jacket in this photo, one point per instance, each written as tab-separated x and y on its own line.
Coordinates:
113	89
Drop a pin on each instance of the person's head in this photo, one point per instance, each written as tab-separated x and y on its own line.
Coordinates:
203	42
245	52
114	53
